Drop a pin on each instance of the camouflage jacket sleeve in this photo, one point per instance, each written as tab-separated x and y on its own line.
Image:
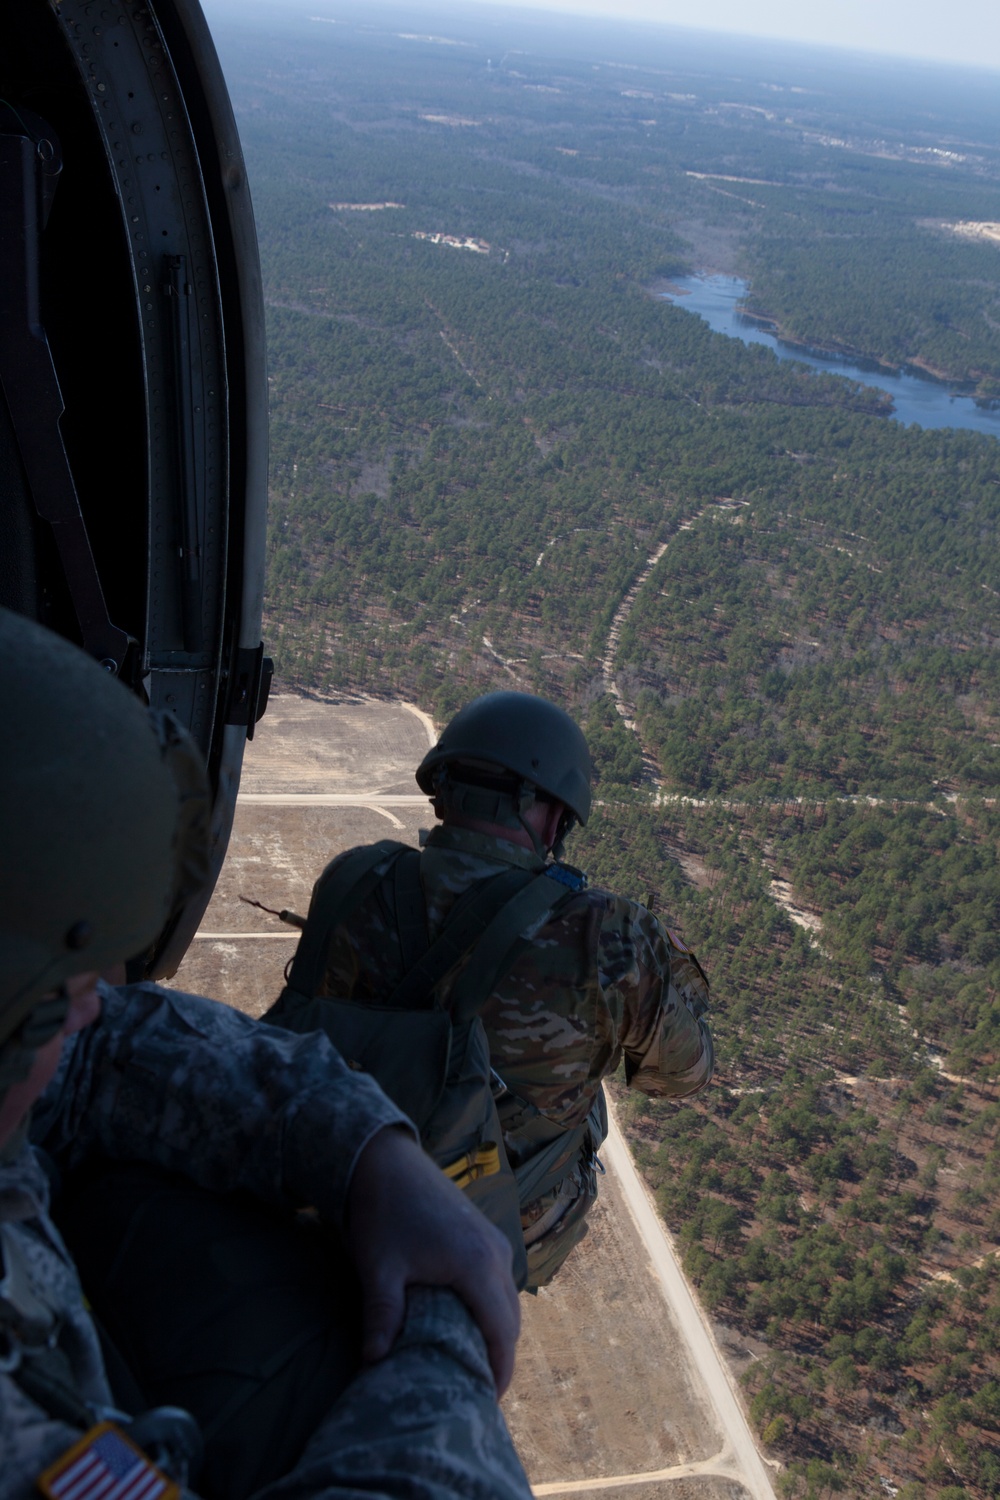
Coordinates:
198	1088
664	996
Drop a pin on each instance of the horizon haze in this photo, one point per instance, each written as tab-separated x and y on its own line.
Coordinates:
904	29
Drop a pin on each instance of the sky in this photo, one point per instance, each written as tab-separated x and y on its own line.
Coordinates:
964	31
948	31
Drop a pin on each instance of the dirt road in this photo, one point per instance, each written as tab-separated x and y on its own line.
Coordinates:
619	1388
740	1456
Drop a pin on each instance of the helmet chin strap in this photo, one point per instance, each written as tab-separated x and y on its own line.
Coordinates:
525	799
527	796
566	825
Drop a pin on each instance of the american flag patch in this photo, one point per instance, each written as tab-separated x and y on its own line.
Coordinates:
105	1465
677	942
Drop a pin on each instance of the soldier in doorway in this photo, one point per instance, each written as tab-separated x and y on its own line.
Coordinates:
490	927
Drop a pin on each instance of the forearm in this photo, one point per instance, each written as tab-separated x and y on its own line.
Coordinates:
675	1066
664	1035
200	1089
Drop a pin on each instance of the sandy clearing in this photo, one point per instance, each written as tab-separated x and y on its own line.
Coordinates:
603	1388
976	230
338	745
721	177
783	892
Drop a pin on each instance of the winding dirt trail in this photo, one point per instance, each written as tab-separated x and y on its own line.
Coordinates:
780	890
614	635
622	613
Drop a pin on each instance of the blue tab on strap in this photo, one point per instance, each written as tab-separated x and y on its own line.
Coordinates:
567	875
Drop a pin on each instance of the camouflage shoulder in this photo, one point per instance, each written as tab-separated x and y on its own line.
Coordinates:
576	902
648	920
346	854
622	907
686	973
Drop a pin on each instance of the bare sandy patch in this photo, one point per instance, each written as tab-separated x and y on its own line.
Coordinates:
347	745
972	229
602	1346
449	120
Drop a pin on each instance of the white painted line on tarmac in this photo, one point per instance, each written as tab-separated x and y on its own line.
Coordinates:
722	1466
334	799
228	937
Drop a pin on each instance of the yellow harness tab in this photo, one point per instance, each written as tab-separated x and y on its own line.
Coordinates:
483	1162
105	1465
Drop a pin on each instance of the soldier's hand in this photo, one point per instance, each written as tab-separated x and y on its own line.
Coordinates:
407	1225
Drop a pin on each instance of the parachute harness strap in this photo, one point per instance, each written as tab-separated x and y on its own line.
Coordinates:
484	1161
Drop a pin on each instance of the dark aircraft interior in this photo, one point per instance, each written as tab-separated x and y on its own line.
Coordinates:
133	424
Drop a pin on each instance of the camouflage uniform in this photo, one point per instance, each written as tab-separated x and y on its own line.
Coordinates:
195	1087
601	981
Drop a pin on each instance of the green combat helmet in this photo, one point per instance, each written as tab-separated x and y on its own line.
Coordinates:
104	811
530	739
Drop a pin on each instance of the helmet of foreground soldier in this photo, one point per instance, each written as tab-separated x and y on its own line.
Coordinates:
531	738
104	809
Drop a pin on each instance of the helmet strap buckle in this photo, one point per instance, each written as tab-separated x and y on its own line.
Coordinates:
525	798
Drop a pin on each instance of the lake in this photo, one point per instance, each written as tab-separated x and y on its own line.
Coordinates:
916	399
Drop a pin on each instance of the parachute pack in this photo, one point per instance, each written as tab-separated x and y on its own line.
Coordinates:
433	1059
